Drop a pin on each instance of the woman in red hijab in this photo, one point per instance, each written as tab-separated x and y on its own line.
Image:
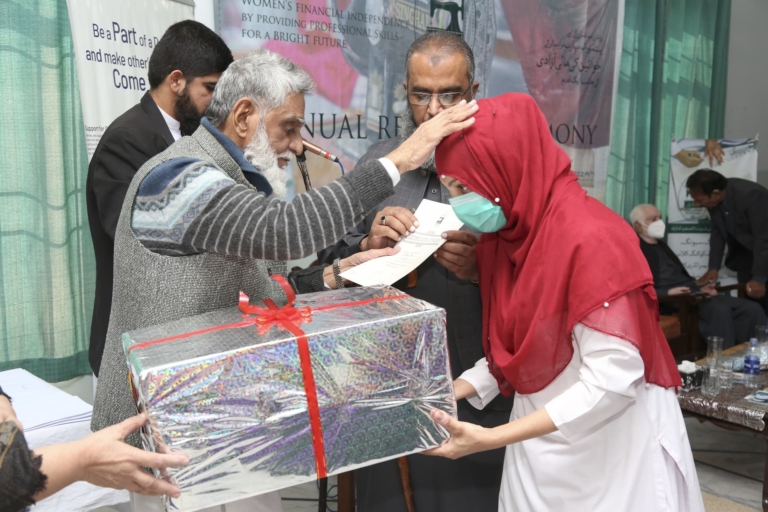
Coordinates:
570	324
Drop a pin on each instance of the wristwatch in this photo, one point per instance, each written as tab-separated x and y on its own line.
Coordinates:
337	274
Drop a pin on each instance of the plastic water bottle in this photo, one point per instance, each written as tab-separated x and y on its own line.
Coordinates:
752	365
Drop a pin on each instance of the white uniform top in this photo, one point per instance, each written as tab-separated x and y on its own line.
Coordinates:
621	443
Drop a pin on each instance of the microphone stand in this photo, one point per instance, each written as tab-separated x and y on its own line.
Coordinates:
301	160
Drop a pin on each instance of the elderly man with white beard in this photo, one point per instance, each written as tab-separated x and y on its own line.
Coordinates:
201	222
439	74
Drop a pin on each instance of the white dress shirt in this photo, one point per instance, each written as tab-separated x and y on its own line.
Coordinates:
391	169
173	125
621	443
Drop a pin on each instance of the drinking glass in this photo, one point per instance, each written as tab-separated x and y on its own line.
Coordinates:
725	372
714	349
761	333
710	383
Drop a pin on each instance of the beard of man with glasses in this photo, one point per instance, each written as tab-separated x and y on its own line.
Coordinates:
439	74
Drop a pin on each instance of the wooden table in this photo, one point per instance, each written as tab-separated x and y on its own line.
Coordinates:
725	400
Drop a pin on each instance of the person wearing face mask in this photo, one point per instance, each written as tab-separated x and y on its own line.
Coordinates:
440	70
184	68
725	316
570	324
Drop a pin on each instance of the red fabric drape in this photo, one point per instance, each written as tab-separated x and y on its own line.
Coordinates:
561	256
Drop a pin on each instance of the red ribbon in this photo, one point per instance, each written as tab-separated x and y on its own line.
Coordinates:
287	316
291	319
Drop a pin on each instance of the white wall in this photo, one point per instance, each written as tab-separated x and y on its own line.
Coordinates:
747	97
204	13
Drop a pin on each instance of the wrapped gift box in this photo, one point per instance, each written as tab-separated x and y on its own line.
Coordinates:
266	397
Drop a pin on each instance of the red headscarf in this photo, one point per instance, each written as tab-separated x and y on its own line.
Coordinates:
560	259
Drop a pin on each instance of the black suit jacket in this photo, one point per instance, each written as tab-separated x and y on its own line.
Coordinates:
747	206
662	289
436	284
131	140
652	256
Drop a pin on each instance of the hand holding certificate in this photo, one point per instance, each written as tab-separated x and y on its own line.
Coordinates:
434	219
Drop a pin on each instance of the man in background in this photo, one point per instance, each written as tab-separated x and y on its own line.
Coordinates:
730	318
440	71
739	213
183	70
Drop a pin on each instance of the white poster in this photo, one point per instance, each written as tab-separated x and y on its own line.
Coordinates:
688	226
113	41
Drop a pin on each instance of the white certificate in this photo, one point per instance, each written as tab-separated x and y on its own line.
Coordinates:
434	218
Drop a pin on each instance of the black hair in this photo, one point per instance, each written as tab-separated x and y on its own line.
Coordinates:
190	47
707	181
445	43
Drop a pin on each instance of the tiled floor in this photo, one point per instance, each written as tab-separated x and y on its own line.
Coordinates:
729	464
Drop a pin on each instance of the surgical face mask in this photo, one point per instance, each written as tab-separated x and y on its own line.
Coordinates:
656	229
478	213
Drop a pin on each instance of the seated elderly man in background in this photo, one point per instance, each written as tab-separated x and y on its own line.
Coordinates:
201	222
731	318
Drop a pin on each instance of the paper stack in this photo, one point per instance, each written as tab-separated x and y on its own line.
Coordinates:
41	405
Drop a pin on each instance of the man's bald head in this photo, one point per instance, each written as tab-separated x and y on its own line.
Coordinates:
440	68
438	46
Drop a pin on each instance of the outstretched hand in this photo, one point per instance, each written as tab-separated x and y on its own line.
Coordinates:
412	153
107	461
398	223
465	439
355	260
709	277
458	254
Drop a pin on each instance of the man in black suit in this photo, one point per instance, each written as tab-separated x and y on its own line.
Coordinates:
440	73
183	70
730	318
739	213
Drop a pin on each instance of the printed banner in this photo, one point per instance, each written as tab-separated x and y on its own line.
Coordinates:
113	42
688	226
562	53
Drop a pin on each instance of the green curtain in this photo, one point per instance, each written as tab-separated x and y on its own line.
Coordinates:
672	82
47	267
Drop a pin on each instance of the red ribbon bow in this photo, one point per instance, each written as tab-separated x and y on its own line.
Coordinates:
271	315
292	318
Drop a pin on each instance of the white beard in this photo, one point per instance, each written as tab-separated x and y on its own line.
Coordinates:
261	155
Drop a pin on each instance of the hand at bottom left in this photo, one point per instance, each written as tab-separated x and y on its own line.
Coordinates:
107	461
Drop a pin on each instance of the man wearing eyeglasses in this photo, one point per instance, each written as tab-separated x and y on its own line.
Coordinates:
439	74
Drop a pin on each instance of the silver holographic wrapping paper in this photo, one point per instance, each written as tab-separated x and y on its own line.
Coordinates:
233	398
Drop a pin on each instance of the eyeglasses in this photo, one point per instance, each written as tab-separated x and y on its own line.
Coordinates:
446	99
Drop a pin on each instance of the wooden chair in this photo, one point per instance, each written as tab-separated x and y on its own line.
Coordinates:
682	328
